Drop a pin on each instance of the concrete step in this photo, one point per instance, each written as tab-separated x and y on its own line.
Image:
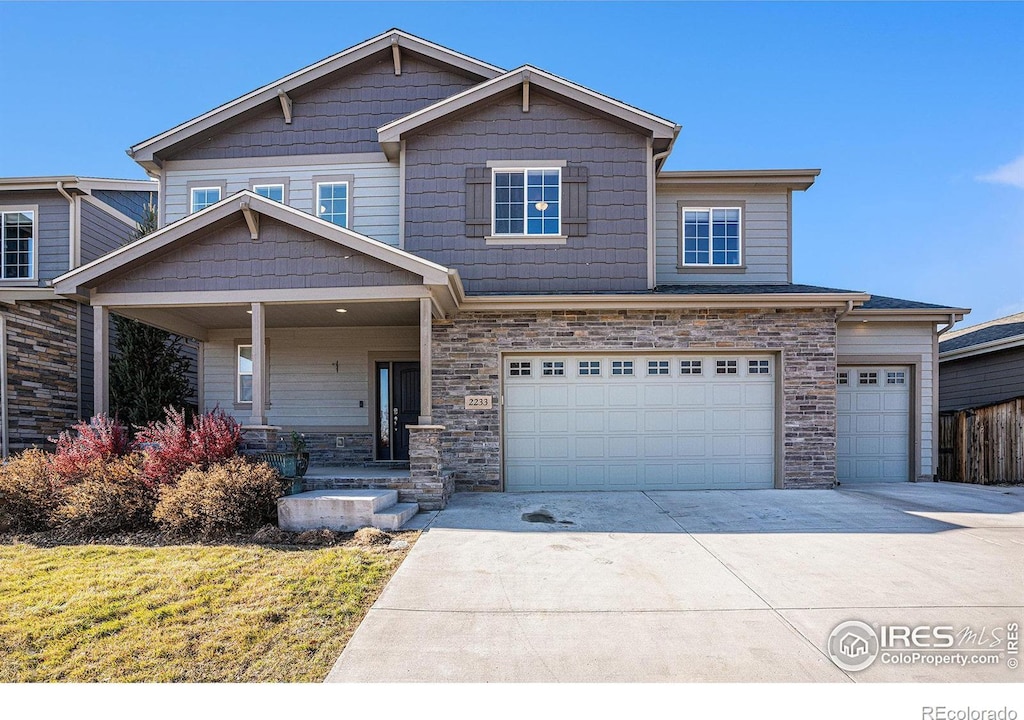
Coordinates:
339	510
395	516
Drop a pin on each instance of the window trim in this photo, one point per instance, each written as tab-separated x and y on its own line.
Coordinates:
240	404
349	181
239	374
33	279
525	238
271	181
718	204
194	185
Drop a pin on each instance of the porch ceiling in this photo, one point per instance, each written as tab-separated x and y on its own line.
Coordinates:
285	315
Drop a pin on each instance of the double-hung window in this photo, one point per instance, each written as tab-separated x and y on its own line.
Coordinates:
332	202
527	201
711	236
17	239
204	197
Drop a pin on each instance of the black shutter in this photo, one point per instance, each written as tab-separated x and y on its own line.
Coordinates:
574	188
478	201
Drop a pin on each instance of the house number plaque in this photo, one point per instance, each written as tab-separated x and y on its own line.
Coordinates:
478	402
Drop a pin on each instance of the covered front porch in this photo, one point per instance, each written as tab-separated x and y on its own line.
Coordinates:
307	332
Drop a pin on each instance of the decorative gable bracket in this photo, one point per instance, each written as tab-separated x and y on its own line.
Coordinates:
286	106
252	219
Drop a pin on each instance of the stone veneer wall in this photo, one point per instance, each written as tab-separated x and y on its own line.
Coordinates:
320	446
467	361
42	370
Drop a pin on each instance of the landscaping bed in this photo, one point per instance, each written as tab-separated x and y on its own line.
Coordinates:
136	607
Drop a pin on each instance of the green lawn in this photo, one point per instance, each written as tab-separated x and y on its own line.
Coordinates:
181	613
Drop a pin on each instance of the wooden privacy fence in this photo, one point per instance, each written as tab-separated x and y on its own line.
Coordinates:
983	445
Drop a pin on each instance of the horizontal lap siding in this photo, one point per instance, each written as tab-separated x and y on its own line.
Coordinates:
894	338
610	257
339	116
229	259
305	388
53	243
102	233
765	242
981	380
373	199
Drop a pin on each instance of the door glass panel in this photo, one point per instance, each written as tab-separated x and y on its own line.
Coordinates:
384	408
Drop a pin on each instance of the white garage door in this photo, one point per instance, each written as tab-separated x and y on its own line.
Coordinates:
629	422
873	424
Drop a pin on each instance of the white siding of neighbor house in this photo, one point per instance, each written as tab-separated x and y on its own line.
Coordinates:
305	389
373	201
898	338
765	240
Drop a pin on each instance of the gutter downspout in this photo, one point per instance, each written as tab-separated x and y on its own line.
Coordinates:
847	311
949	326
72	225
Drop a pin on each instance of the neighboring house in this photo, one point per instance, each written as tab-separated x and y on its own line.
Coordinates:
982	364
50	225
409	254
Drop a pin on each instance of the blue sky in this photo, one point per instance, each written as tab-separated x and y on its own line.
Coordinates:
914	112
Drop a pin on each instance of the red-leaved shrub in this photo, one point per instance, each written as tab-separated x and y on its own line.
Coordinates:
102	438
171	446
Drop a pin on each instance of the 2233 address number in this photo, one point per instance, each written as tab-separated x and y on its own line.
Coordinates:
478	402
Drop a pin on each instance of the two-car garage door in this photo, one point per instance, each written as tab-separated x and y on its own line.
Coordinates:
636	421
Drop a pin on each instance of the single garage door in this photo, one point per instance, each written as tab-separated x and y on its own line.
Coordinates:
633	422
873	424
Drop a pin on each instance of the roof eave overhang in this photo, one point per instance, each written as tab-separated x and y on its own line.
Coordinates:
660	301
79	282
145	152
983	348
793	179
943	315
391	134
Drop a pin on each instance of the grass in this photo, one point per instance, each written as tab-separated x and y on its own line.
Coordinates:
187	613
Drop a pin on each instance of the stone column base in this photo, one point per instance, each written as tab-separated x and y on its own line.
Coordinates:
257	439
432	487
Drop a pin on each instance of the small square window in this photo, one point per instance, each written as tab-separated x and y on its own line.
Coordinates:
622	367
590	367
519	368
843	378
899	377
867	378
690	367
552	368
726	367
758	367
657	367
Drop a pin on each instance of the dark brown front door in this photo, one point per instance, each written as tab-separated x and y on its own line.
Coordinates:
398	406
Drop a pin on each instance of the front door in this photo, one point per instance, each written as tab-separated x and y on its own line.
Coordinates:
398	406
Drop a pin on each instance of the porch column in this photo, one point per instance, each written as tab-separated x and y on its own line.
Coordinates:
259	366
426	373
101	359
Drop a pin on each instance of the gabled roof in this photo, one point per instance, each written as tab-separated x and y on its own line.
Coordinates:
145	151
659	128
78	282
999	334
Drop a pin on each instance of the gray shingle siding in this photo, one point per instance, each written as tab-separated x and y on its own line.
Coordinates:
981	380
101	233
53	244
341	116
610	257
130	202
283	257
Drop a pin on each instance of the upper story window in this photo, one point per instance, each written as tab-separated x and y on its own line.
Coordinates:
332	202
711	236
527	201
271	191
203	197
17	238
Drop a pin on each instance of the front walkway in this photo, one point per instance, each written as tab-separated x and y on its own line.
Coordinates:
690	586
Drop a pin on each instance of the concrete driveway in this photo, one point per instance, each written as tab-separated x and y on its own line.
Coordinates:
694	586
